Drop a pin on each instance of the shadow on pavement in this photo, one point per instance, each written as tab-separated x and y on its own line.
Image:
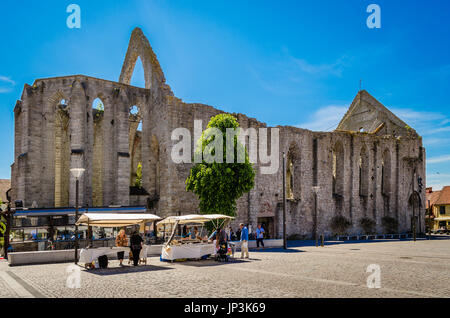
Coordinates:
211	262
276	250
125	270
328	243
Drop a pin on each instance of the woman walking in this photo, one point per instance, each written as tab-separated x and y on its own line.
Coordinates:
121	241
136	246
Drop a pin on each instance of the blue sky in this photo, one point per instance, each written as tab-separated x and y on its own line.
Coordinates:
283	62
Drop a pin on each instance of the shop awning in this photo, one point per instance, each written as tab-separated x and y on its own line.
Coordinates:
115	219
71	211
443	218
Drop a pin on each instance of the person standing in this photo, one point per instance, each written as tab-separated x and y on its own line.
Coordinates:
194	234
232	235
244	241
121	241
221	237
259	236
136	246
184	232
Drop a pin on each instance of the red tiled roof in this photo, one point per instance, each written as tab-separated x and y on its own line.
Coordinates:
432	198
444	197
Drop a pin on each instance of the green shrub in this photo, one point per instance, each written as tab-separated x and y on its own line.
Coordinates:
368	225
390	225
339	224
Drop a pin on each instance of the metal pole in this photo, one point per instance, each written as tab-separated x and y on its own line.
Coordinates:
430	211
414	217
76	219
315	215
90	243
284	202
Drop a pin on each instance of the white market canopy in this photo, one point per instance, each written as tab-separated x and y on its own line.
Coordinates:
193	218
116	219
442	218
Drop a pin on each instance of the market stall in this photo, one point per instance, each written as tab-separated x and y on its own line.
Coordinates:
178	248
90	254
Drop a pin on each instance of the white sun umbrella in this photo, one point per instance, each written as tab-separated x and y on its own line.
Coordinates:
173	221
116	219
193	218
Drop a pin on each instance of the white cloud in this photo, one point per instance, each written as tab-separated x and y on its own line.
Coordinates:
325	118
320	69
6	84
433	141
438	181
7	80
417	116
293	76
438	130
336	68
431	125
439	159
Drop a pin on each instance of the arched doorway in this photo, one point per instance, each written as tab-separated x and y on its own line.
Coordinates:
415	205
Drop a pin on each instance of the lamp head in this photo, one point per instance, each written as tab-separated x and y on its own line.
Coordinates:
77	172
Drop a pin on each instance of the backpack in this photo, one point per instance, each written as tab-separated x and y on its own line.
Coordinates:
103	261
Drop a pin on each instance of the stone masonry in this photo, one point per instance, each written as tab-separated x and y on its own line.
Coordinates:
370	166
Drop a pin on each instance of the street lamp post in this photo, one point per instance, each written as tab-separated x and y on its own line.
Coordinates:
284	202
315	189
76	173
414	217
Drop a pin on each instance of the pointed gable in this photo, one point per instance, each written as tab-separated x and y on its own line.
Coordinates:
139	46
369	115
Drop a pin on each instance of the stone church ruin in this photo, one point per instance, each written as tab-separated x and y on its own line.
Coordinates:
372	166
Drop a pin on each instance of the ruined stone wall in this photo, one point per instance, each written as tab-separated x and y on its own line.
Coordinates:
103	145
48	143
51	137
313	167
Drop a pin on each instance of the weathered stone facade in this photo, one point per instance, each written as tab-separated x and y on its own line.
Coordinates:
368	167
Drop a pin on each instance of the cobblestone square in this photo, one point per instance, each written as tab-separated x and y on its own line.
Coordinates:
408	269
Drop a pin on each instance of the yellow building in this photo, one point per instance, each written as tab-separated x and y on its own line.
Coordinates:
441	210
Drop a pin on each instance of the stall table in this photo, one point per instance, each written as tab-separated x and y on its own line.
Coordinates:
89	255
187	251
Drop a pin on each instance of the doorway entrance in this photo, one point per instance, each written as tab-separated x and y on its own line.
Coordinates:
415	207
268	224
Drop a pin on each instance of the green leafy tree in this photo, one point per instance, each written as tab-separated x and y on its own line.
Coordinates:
100	107
138	181
219	184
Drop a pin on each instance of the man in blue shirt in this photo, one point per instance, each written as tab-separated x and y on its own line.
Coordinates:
244	241
259	236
